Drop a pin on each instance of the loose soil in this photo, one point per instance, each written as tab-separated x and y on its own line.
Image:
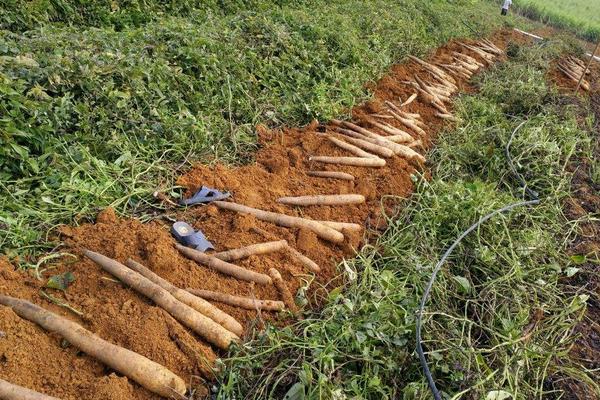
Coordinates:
33	358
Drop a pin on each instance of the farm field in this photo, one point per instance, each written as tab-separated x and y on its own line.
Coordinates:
580	16
357	142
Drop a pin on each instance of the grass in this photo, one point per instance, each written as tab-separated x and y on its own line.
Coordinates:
579	16
499	324
102	107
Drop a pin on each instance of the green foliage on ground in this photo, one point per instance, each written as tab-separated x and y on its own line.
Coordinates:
498	324
91	117
579	16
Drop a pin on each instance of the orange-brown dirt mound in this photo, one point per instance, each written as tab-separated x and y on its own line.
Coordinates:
33	358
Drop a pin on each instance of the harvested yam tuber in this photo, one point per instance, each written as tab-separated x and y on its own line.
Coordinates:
434	70
409	100
331	174
354	161
253	249
374	138
202	325
434	101
409	124
416	144
323	200
354	127
223	266
371	147
200	305
449	117
584	84
321	230
238	301
9	391
340	226
286	296
150	375
357	151
468	59
398	134
410	153
310	264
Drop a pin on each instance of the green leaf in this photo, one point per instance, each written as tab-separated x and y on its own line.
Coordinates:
296	392
61	281
464	283
571	271
578	259
498	395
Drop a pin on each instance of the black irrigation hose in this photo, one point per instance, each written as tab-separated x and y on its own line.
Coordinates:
419	322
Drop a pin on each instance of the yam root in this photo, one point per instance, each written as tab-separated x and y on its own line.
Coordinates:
398	134
310	264
198	304
409	100
323	200
138	368
9	391
199	323
354	161
238	301
449	117
321	230
331	174
357	151
286	296
253	249
371	147
223	266
374	138
340	226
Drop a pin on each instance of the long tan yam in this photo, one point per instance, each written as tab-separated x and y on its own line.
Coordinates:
321	230
354	127
223	266
409	124
253	249
340	226
323	200
238	301
434	69
409	100
357	151
202	325
331	174
198	304
310	264
398	134
286	296
138	368
9	391
354	161
371	147
374	138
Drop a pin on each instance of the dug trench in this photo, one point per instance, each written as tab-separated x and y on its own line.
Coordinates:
36	359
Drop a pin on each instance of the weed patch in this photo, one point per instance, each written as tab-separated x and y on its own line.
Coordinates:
92	117
498	322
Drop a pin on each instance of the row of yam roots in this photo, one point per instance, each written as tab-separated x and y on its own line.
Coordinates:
576	70
191	307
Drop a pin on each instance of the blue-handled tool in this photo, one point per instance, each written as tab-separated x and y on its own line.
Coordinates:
187	236
204	195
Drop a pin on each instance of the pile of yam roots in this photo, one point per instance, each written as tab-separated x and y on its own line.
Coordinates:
575	69
368	147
